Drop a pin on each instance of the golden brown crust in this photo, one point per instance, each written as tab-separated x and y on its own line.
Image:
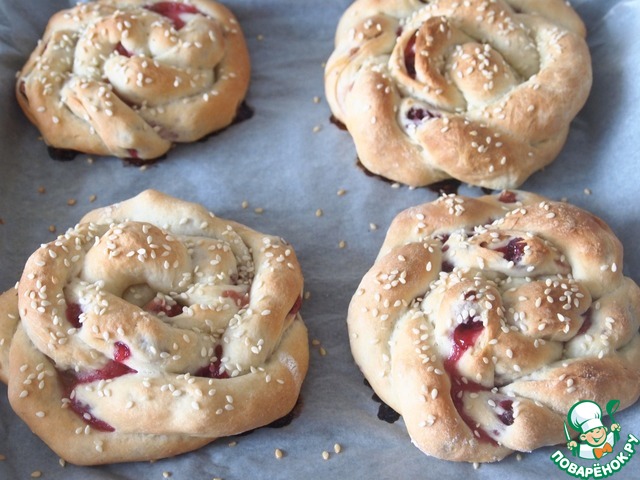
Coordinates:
97	335
483	320
438	90
113	77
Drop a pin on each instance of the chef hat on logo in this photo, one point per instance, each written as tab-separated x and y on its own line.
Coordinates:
585	416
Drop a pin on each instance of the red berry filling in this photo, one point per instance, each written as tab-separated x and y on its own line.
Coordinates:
214	369
241	300
507	197
417	114
513	251
72	313
133	153
506	416
296	306
162	307
447	267
173	11
410	57
71	380
464	337
123	51
122	352
586	324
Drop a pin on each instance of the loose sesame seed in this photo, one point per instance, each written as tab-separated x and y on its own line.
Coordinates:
278	453
325	455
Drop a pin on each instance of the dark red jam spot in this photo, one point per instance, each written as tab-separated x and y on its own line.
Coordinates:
84	411
506	417
399	31
160	306
470	295
111	370
70	380
458	388
464	337
122	352
172	11
385	412
241	300
333	119
417	114
586	324
61	154
122	51
447	267
133	153
410	57
296	306
213	370
446	187
507	197
514	250
73	314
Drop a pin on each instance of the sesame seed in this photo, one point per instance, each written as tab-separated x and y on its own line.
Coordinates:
259	210
316	128
325	455
36	474
342	244
337	448
319	212
341	192
278	453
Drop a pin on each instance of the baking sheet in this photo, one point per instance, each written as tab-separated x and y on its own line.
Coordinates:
276	162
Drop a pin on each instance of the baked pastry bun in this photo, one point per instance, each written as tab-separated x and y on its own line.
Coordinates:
478	91
150	329
129	78
483	320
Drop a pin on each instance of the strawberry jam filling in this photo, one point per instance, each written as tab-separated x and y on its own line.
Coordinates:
72	313
464	337
513	251
240	299
410	57
113	369
159	306
417	114
296	306
507	197
122	51
173	11
506	416
586	324
214	369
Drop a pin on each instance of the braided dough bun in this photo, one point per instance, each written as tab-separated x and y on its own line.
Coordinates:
476	90
152	328
484	320
130	77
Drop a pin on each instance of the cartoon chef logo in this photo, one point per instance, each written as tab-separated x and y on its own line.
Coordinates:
596	441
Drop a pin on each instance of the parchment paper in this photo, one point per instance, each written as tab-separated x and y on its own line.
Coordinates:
275	161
